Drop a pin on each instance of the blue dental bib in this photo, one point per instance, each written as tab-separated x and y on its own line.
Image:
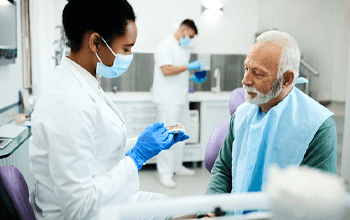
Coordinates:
281	136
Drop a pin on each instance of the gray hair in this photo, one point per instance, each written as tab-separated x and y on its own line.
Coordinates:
290	56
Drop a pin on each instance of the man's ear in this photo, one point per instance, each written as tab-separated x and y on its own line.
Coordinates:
94	42
288	78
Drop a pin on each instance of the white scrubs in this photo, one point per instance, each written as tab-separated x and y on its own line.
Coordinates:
76	151
171	95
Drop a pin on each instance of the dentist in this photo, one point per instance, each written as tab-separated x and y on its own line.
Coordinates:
170	93
77	149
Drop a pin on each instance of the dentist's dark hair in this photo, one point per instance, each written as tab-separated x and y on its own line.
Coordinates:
108	18
190	23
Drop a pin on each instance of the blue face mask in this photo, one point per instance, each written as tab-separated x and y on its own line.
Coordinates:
120	65
185	41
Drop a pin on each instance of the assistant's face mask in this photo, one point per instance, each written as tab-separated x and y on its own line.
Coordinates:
185	41
120	65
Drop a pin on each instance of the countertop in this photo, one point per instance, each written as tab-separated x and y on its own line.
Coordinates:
147	96
15	142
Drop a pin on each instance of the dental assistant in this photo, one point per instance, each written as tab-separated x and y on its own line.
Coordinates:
170	93
77	149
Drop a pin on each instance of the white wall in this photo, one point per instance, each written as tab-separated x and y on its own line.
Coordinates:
59	6
345	160
42	37
233	33
11	79
345	166
341	52
320	29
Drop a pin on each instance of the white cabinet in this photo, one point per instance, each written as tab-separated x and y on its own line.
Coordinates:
192	153
138	115
211	115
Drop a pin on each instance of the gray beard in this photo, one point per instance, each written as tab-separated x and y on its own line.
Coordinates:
262	98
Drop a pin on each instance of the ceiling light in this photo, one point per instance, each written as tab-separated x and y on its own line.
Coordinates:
4	2
212	5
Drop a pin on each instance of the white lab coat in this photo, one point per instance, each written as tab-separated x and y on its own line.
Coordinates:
77	146
170	89
171	95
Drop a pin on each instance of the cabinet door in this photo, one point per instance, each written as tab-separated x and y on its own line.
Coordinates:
138	115
191	153
141	107
212	114
141	118
134	130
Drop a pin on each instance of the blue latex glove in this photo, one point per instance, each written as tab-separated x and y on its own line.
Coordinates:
195	65
179	136
194	78
150	143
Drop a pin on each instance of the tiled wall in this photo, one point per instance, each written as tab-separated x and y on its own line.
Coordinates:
139	76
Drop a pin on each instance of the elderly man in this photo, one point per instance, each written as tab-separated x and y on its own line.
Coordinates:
278	124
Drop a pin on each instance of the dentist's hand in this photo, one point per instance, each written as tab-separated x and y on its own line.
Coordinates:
150	143
195	65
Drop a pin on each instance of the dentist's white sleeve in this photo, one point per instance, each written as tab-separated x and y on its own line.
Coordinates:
70	130
130	143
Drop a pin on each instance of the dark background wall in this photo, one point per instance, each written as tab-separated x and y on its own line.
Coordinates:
139	76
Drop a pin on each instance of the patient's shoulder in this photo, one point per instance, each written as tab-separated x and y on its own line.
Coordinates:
328	123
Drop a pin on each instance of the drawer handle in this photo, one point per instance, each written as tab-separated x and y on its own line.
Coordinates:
188	154
144	109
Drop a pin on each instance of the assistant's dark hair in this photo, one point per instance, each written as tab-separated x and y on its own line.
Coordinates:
190	23
108	18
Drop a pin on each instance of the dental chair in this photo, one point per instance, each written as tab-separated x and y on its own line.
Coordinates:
14	195
217	138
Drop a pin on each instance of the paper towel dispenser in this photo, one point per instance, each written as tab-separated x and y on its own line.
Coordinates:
8	32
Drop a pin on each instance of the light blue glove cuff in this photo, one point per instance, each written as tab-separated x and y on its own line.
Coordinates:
193	78
195	65
203	80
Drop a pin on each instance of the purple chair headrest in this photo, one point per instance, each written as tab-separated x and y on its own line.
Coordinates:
215	143
17	189
237	98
